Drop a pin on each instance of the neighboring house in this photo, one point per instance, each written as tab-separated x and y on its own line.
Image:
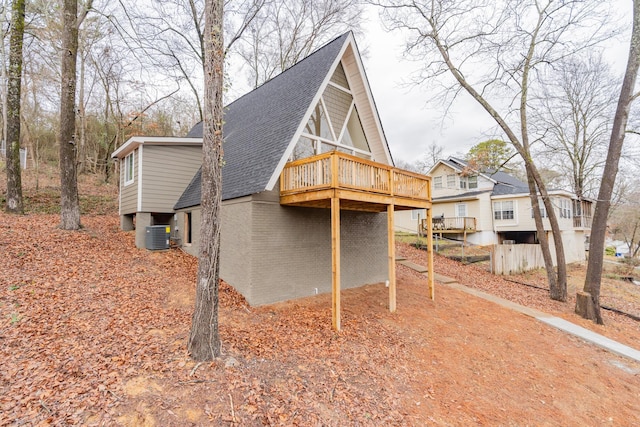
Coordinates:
309	188
495	208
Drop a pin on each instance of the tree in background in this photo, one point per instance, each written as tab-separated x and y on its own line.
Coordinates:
625	222
497	52
14	180
588	302
204	339
168	36
69	201
490	156
285	32
574	118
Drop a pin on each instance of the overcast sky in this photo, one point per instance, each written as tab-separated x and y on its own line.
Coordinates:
409	120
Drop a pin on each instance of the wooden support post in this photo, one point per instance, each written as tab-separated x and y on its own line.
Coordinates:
392	259
335	262
430	254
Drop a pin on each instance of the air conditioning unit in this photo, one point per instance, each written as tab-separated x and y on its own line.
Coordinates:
157	237
508	242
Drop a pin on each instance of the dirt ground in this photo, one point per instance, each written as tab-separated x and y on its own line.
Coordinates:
93	332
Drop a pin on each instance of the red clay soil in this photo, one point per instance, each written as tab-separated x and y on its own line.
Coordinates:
93	332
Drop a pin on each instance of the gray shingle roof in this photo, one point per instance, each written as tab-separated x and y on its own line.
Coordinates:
505	183
467	195
259	126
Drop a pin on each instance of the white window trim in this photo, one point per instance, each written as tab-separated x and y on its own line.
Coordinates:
342	88
337	144
439	178
326	115
502	220
129	175
140	178
346	121
458	205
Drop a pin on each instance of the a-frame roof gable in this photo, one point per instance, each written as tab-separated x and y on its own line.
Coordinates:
262	127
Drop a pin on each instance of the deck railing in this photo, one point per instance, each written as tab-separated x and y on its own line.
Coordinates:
582	222
340	170
452	224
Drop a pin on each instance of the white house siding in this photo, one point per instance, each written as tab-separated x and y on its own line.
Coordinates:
483	212
403	221
167	170
443	171
573	243
522	220
129	193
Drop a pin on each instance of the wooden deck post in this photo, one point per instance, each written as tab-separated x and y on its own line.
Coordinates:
430	254
392	258
335	263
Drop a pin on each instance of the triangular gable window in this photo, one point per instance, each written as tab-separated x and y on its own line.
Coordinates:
339	77
334	123
318	124
338	103
354	134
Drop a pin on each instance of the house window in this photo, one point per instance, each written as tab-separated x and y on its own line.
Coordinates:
473	181
437	182
461	210
565	208
577	208
543	210
334	124
503	210
128	169
451	181
468	182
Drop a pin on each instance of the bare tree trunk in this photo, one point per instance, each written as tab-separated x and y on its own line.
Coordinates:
204	339
14	178
69	201
542	236
81	144
589	304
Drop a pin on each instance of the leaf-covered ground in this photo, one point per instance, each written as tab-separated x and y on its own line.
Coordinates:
93	332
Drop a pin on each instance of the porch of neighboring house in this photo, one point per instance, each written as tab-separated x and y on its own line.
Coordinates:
340	181
450	225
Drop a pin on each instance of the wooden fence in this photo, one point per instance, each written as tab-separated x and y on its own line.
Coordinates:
514	259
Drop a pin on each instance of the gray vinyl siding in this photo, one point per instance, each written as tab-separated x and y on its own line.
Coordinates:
129	193
339	77
338	103
166	172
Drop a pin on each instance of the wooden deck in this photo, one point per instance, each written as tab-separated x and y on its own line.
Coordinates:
340	181
360	184
455	225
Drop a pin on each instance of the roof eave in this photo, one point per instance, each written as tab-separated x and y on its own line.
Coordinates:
136	141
